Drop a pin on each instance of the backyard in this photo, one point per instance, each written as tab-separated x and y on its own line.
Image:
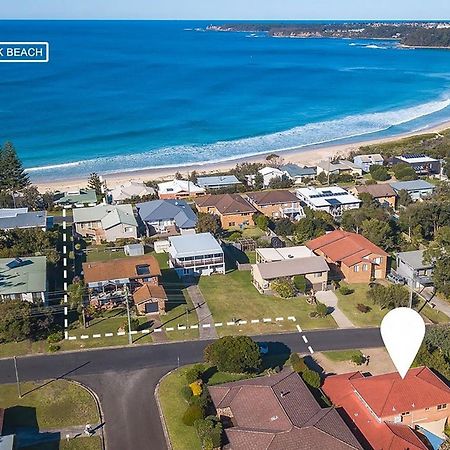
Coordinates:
49	407
241	301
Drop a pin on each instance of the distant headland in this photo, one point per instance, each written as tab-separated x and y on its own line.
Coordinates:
409	34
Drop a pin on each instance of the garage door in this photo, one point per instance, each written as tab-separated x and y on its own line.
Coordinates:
151	307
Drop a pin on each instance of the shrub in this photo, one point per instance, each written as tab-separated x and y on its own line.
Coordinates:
192	413
300	283
321	309
363	308
404	172
358	359
283	287
194	373
55	337
186	393
379	173
202	400
298	363
196	388
209	431
311	378
53	348
234	236
134	321
262	222
345	290
235	354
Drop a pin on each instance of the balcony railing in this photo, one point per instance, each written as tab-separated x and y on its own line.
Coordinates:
197	262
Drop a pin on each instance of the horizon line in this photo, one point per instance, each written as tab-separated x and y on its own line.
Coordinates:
214	19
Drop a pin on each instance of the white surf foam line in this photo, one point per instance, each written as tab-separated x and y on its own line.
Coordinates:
296	138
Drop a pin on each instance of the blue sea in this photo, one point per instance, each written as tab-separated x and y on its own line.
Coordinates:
125	95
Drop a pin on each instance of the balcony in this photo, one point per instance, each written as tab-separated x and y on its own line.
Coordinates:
196	263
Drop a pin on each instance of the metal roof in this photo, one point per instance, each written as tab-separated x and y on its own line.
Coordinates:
280	254
23	275
108	215
194	244
291	267
177	210
414	185
414	259
221	180
10	218
80	197
296	171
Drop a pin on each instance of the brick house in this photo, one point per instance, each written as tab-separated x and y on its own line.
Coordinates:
390	412
107	282
278	412
351	256
277	204
232	209
382	193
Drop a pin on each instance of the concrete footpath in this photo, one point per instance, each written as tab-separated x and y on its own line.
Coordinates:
203	313
329	298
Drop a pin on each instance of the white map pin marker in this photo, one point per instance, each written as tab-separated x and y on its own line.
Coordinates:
402	330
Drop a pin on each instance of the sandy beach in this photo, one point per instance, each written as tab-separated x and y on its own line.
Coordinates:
302	156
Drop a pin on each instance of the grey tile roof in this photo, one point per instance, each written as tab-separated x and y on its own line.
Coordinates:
13	219
177	210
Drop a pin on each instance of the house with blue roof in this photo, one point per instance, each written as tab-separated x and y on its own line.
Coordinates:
218	182
11	218
417	189
299	174
167	217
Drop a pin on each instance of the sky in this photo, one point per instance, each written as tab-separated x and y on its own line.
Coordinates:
226	9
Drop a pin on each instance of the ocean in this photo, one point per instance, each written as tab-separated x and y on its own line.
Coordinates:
125	95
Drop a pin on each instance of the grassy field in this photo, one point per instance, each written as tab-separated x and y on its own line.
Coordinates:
348	303
434	315
52	405
341	355
81	443
241	300
22	348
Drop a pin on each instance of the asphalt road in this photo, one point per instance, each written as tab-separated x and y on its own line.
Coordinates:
125	378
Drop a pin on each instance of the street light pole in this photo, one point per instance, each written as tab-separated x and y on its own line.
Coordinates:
130	339
17	378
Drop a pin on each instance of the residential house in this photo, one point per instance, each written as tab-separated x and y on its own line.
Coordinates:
277	204
365	161
414	269
106	222
179	189
23	278
109	283
392	413
199	254
341	167
383	193
351	256
417	189
422	164
218	182
167	217
314	268
77	198
332	199
278	412
11	218
269	174
129	190
264	255
299	174
232	209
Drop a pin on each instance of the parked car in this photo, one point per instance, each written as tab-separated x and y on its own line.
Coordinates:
396	278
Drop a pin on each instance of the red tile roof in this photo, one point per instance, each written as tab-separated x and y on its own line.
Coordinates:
353	392
148	292
343	246
280	413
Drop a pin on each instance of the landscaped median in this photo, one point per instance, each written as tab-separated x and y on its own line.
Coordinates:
232	297
47	413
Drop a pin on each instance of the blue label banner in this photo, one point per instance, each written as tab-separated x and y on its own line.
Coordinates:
24	52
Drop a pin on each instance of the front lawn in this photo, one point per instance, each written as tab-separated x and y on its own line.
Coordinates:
348	305
342	355
432	314
233	296
53	405
80	443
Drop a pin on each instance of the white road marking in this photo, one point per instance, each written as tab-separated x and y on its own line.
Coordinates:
304	338
311	350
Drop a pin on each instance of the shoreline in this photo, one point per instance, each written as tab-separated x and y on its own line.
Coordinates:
309	155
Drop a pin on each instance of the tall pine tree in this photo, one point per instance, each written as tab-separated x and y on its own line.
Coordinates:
13	177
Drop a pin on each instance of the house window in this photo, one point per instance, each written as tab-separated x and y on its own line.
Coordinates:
365	267
231	224
129	229
443	406
407	413
377	260
317	274
356	268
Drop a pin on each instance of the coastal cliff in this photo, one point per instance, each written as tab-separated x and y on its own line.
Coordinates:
411	34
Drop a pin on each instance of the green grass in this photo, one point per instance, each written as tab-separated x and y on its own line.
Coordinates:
80	443
104	254
437	317
173	406
341	355
53	405
22	348
234	296
253	233
348	303
251	257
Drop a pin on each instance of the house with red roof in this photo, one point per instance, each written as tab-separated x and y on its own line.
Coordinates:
392	413
351	256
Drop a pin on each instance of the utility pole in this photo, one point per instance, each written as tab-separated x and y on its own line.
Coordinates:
17	378
130	339
187	317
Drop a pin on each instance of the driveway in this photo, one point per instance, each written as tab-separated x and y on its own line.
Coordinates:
329	298
206	327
